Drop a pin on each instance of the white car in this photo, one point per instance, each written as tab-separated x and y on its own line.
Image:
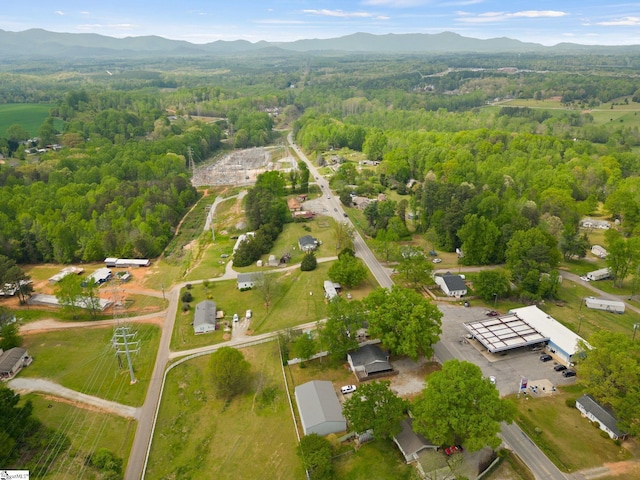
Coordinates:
584	279
437	260
247	314
492	379
235	317
348	389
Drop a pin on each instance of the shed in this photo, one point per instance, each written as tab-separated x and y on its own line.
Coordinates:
204	318
452	285
599	251
606	305
319	408
369	360
597	413
100	276
12	361
273	261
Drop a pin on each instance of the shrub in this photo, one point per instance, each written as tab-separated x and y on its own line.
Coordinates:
570	402
309	262
188	286
186	307
604	434
186	297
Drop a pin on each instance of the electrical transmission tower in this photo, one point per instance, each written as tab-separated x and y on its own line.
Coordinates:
123	339
192	165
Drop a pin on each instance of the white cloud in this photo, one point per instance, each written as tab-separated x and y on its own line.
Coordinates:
59	12
489	17
279	22
622	22
342	14
397	3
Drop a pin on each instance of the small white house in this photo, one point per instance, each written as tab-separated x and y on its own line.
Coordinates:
330	291
606	305
204	318
246	280
599	251
597	413
600	274
451	285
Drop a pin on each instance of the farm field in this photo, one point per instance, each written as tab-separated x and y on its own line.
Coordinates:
28	115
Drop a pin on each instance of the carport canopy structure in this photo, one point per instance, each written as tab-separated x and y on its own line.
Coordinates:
505	332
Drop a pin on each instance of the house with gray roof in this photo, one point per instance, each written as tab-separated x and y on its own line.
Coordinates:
12	361
451	285
319	408
411	443
369	360
597	413
204	318
247	280
307	243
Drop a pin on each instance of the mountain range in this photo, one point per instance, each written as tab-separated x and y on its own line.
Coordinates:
38	43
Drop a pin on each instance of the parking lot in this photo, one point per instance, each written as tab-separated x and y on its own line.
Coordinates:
508	367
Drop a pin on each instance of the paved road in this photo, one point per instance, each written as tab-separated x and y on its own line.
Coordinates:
335	210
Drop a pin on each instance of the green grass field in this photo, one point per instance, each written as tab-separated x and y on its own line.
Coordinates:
84	360
379	459
87	431
253	437
28	115
569	440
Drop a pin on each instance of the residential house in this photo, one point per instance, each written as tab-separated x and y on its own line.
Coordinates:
100	276
330	291
597	413
308	243
411	443
247	280
319	408
204	318
451	285
599	251
294	205
12	361
369	360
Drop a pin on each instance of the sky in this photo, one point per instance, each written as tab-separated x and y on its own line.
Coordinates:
201	21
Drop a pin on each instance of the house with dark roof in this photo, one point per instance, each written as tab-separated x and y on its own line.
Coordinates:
204	317
411	443
451	285
369	360
307	243
12	361
319	408
597	413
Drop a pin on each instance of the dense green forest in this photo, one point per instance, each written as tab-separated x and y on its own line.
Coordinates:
119	182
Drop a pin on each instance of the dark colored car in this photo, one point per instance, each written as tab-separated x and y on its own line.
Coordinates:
545	358
453	449
569	373
433	253
559	368
492	313
345	214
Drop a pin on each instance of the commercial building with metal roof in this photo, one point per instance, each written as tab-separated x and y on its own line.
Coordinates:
320	410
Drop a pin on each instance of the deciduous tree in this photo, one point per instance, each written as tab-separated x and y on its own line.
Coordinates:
414	266
405	321
459	406
348	271
374	406
338	334
316	452
230	372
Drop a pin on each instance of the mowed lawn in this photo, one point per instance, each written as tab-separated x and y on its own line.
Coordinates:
569	440
87	431
253	437
28	115
84	360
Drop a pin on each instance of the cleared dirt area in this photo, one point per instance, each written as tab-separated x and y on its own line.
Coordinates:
410	380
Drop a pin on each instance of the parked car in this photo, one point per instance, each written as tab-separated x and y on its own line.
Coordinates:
344	214
433	253
453	449
437	260
235	317
224	255
247	314
559	368
348	389
492	313
569	373
545	358
492	379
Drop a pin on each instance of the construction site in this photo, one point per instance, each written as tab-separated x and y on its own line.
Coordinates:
241	167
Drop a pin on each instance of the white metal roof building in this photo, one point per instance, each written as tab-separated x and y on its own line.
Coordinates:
320	410
522	327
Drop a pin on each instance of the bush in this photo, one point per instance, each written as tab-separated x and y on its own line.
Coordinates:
186	297
570	402
188	286
604	434
186	307
309	262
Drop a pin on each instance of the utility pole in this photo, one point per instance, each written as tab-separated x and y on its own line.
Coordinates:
635	327
192	165
123	337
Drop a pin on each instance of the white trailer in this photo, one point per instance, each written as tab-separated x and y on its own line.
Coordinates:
606	305
599	274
